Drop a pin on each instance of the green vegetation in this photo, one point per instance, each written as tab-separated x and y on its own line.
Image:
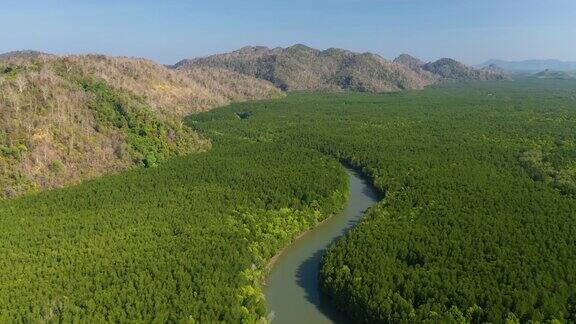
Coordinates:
476	225
145	134
464	233
553	162
188	240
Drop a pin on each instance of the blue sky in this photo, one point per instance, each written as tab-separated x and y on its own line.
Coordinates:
168	30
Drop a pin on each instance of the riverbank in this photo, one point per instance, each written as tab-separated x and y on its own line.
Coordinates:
270	264
292	291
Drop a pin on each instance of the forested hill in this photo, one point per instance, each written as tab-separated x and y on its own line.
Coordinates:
64	119
300	67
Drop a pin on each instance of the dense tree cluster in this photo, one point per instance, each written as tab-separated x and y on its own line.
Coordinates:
464	233
553	163
187	240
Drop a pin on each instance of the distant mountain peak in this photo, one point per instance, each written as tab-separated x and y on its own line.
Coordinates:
252	49
447	60
450	69
409	61
334	50
494	68
301	47
23	54
531	65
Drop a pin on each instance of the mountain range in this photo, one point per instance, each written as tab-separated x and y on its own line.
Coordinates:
300	67
531	65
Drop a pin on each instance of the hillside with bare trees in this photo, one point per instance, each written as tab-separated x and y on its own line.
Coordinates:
300	67
66	119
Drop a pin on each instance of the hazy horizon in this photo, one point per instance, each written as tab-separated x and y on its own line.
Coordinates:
169	31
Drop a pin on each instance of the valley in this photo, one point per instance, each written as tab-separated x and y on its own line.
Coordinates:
470	210
255	162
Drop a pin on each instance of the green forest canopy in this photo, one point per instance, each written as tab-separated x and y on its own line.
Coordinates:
474	226
187	240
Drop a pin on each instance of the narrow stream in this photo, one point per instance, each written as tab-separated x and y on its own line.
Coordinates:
292	293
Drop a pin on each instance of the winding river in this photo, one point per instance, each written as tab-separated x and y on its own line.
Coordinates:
292	291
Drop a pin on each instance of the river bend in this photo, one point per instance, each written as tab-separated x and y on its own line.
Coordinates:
292	291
